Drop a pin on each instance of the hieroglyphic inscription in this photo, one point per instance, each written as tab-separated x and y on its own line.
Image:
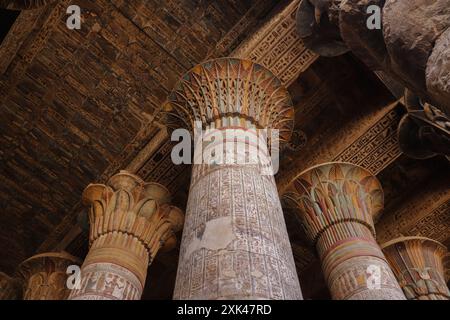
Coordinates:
236	240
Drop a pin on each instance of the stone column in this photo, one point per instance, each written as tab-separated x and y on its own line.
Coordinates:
130	222
235	244
337	204
412	46
418	265
45	275
10	288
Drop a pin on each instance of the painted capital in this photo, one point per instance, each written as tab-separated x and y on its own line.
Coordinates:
10	288
235	244
230	92
417	263
130	222
337	204
44	276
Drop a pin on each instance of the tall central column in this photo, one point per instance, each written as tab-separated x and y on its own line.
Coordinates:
337	204
235	244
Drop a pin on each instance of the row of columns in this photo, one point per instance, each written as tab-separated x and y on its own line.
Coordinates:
337	204
130	222
235	243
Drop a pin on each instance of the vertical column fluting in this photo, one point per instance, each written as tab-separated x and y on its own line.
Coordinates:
130	221
44	276
418	265
235	243
337	204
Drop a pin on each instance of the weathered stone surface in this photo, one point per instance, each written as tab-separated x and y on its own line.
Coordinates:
425	131
317	31
410	30
78	105
367	45
438	72
131	221
250	258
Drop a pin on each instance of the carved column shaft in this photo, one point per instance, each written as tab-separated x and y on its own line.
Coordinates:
130	222
418	265
45	276
336	204
235	244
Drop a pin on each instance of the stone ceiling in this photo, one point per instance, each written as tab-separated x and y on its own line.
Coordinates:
77	105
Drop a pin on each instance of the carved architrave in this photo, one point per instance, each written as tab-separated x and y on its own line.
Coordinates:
426	215
369	141
277	46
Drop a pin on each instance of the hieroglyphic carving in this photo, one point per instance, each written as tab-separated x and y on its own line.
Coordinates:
113	34
295	58
45	276
20	64
235	244
113	281
426	216
243	250
131	221
377	147
350	280
418	265
337	204
436	224
277	47
225	45
369	140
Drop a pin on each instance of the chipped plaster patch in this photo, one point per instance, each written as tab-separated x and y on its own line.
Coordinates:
217	235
